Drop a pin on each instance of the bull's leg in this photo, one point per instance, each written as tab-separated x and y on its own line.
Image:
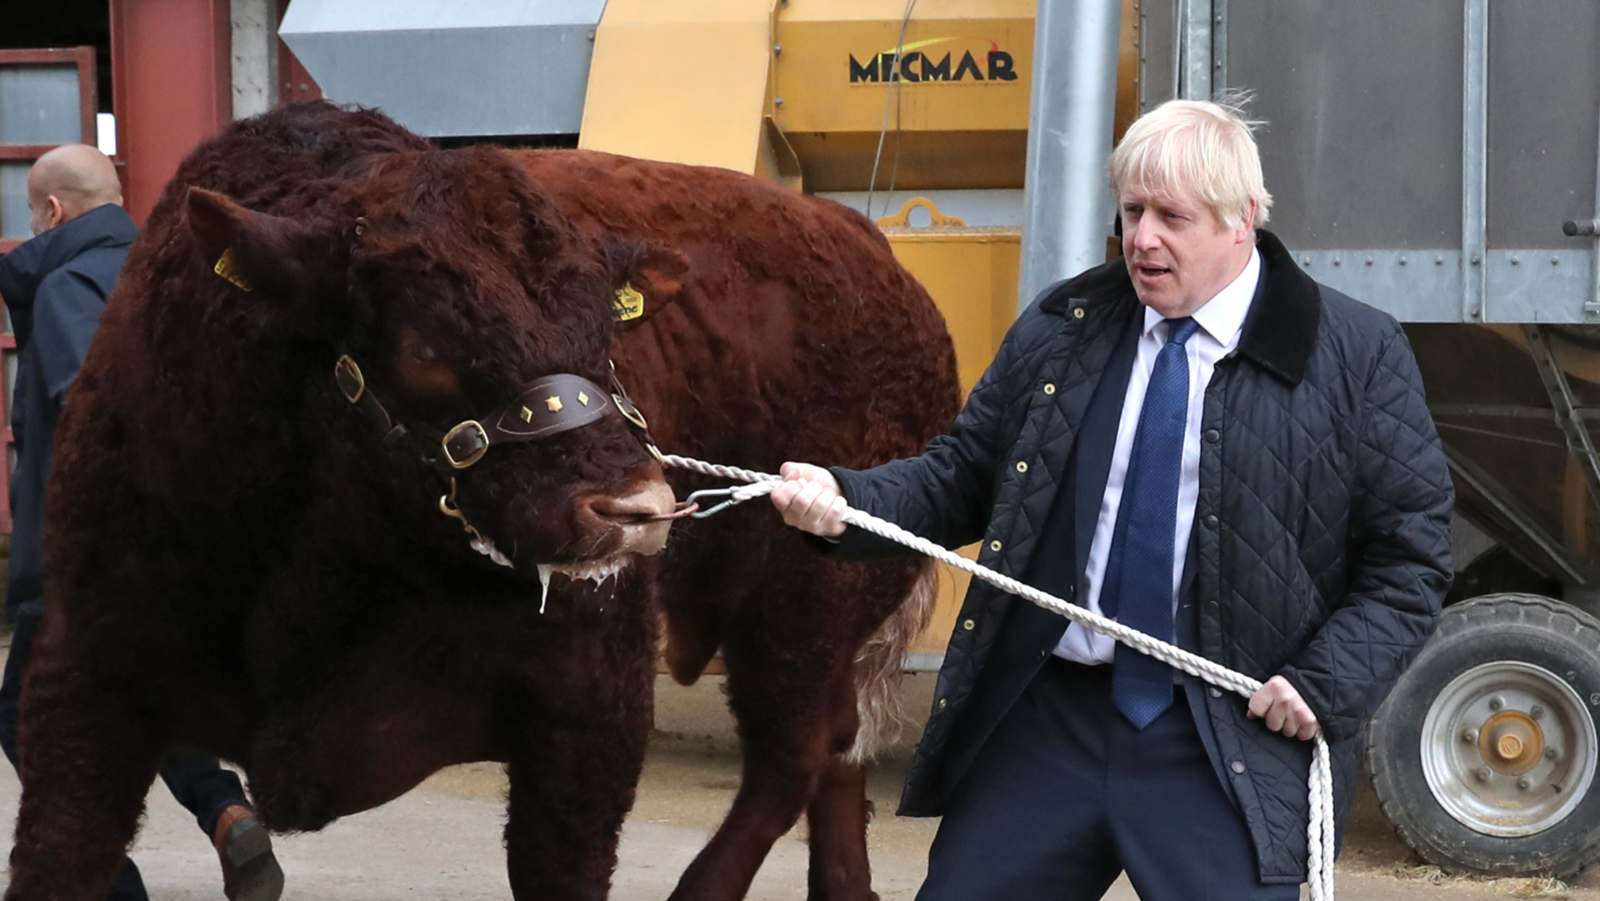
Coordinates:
565	813
576	748
837	819
87	761
794	721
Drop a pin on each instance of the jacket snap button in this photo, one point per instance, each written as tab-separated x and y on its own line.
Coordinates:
1237	766
1022	466
1212	434
943	703
1049	388
968	624
1211	520
994	545
1216	692
1077	312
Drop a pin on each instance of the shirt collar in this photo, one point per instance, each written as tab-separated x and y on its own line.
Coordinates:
1222	317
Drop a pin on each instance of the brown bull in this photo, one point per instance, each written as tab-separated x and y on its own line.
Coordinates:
246	546
791	333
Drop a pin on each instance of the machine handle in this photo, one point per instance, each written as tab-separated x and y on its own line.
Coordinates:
903	218
1573	228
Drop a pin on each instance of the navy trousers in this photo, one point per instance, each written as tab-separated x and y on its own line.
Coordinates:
1066	795
198	782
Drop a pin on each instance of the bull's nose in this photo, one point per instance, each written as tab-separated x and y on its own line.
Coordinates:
639	516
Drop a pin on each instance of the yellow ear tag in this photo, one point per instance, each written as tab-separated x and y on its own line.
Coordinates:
230	272
630	303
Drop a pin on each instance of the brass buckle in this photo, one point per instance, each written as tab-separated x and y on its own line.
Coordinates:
629	411
476	455
346	367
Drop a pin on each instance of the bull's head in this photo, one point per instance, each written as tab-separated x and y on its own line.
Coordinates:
470	324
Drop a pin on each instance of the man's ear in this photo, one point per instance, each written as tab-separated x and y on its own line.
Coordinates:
58	212
654	281
253	251
1247	223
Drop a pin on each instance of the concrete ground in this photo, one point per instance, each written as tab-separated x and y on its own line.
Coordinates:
442	840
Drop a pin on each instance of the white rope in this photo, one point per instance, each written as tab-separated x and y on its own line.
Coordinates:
1319	830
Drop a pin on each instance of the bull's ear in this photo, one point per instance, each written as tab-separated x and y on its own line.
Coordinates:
253	251
657	280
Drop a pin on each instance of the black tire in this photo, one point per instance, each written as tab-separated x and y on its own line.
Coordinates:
1471	806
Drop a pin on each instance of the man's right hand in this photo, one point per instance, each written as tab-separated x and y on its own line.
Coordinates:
809	500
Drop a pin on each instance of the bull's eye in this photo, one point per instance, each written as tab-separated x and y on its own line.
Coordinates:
421	367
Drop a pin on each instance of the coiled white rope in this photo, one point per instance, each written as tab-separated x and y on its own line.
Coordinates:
1319	830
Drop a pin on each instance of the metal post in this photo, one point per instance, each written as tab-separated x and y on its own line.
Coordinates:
1475	162
1196	49
1219	47
255	56
1067	208
1592	229
1594	226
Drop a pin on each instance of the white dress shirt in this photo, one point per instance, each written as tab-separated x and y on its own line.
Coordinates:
1221	320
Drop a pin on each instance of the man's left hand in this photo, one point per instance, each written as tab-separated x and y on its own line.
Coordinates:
1283	709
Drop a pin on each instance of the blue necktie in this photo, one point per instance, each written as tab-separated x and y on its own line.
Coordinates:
1139	566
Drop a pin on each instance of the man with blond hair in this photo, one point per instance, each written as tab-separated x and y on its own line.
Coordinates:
1199	441
55	287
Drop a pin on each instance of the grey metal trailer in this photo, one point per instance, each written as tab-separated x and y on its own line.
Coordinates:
1439	159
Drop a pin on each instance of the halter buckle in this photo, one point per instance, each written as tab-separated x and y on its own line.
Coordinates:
347	375
629	411
469	448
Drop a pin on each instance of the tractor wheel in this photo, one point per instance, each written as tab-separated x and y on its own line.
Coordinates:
1484	755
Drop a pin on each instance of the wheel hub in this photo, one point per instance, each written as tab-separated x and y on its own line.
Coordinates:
1511	742
1508	748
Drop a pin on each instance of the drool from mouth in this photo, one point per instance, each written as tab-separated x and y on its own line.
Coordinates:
596	571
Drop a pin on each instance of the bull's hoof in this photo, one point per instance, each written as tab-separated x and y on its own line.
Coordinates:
250	872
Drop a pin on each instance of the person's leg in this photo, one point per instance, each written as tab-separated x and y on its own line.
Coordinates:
11	687
1028	819
202	786
1175	827
250	871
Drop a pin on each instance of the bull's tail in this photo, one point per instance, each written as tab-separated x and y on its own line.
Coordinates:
881	662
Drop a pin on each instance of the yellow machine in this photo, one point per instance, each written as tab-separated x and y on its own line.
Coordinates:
852	100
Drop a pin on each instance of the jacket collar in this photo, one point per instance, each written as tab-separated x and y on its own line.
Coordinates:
24	268
1280	331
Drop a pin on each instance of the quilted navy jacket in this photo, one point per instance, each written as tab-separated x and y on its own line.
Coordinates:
1321	545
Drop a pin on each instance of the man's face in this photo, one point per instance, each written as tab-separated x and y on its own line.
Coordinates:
1177	250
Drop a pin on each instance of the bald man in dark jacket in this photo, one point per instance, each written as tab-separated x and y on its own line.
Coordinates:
55	287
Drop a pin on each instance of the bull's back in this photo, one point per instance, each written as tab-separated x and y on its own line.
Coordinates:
795	333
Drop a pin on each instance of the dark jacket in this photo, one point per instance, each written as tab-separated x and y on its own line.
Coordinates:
1321	545
55	287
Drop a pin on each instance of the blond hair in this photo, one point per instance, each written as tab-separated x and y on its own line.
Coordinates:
1196	147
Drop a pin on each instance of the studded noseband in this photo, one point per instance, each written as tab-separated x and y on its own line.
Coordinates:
549	406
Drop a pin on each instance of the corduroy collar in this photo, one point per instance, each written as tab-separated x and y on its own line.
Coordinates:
1279	333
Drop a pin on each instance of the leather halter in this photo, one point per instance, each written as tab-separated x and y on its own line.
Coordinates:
549	406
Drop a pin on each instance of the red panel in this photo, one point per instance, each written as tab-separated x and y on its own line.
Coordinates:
295	84
172	87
